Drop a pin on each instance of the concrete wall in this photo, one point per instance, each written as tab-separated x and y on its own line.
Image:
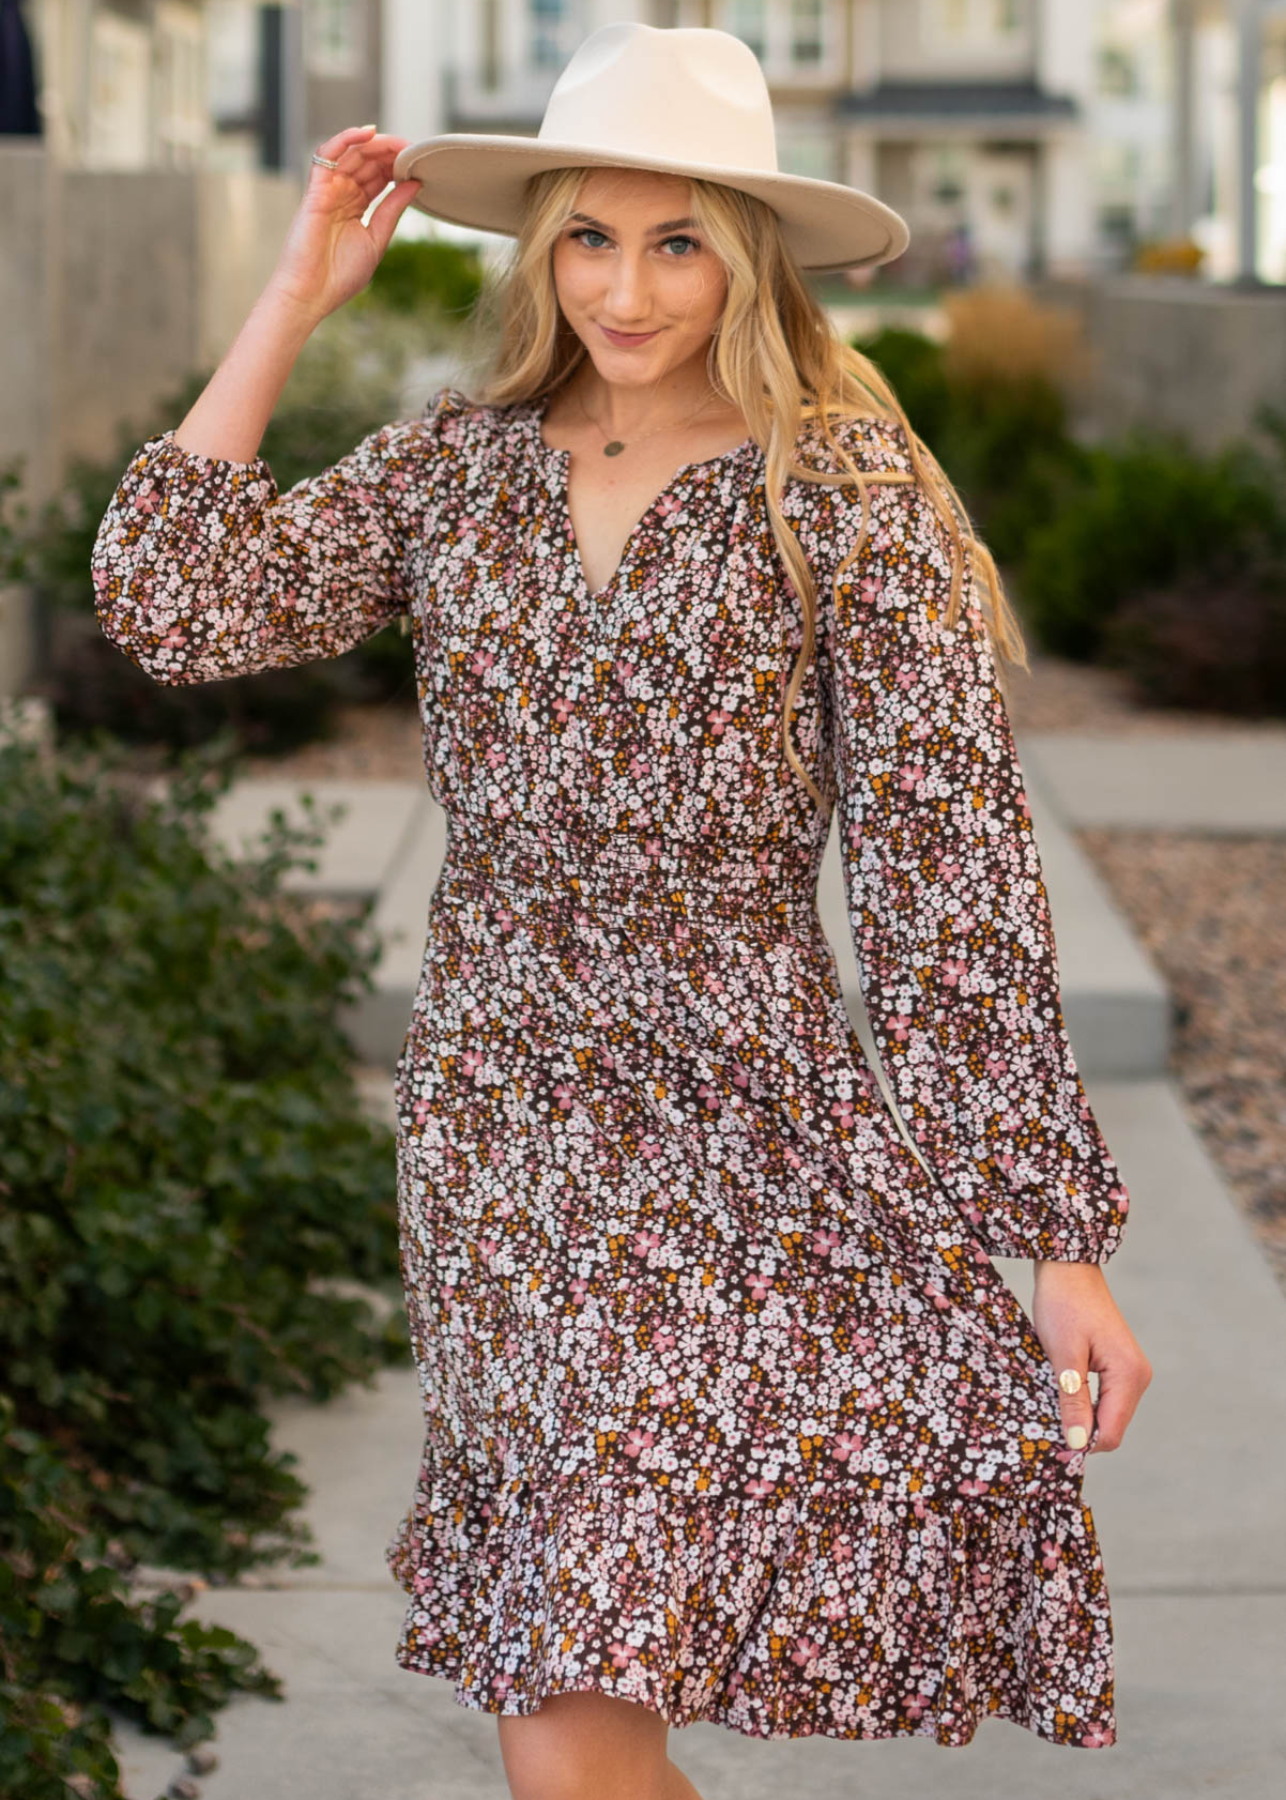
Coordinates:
1179	355
117	285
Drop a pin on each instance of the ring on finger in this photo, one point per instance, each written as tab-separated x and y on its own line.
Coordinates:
1070	1381
325	161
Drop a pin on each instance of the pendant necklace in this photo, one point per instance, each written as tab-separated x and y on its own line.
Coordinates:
614	446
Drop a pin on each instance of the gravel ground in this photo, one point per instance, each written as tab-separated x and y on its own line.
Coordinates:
1210	910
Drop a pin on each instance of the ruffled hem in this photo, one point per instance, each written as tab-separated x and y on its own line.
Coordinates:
835	1612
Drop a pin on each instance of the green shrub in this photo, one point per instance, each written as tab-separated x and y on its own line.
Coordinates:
418	275
187	1185
1146	511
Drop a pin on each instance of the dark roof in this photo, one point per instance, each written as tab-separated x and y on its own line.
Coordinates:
956	100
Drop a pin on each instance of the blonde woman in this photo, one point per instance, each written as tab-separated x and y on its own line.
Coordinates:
729	1415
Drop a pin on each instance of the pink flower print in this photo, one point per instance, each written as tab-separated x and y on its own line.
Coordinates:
653	846
710	1095
562	709
664	1340
792	1157
472	1061
174	636
843	1111
579	1288
847	1444
973	1487
948	869
719	718
740	1075
872	587
487	1248
953	968
938	1298
623	669
758	1284
482	661
564	1095
824	1242
915	1705
1097	1737
900	1026
906	676
1121	1199
1051	1555
806	1650
665	1395
649	1147
911	776
637	1442
420	1111
758	1487
644	1241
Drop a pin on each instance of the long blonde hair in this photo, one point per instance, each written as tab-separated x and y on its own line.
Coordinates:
775	355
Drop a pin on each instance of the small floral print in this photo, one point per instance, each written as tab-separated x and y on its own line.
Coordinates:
726	1409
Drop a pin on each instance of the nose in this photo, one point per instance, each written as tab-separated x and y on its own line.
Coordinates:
627	298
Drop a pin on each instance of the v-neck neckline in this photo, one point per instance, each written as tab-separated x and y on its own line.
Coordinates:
555	466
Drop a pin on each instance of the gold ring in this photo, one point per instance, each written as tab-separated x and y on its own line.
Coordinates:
1070	1381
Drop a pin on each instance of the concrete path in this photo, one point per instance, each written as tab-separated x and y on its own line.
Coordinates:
1211	781
1189	1510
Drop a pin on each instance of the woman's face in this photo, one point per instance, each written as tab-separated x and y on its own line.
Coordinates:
636	281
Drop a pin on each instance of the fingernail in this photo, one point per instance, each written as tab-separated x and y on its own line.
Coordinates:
369	127
1077	1437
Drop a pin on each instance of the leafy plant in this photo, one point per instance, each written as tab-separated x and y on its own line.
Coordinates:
188	1189
416	275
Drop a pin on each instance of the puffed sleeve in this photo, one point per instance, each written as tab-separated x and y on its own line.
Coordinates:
945	893
203	570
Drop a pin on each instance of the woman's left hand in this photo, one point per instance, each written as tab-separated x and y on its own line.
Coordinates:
1081	1328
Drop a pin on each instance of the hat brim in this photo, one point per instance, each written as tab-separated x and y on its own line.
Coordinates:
471	178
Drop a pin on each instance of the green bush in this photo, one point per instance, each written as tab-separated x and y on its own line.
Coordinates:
416	275
1147	511
188	1184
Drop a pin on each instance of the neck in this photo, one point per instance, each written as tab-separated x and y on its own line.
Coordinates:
623	409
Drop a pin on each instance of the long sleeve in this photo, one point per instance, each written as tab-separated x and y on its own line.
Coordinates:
946	898
203	570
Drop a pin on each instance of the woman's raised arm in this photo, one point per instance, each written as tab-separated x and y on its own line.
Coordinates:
201	568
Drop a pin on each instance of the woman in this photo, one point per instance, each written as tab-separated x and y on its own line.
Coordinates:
729	1415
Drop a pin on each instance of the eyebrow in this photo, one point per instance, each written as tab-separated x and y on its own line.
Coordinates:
655	230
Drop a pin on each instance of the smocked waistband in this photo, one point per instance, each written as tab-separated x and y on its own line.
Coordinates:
623	873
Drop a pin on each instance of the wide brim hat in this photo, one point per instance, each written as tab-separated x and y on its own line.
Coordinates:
682	100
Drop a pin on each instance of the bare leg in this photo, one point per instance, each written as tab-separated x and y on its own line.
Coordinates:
590	1746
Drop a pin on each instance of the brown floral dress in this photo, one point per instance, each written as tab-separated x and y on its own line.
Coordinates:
728	1411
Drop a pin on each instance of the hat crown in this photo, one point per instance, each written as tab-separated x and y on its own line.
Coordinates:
687	94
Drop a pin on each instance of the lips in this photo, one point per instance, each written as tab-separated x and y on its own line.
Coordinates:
626	338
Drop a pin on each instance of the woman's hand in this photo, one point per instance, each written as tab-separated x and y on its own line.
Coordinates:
329	255
1081	1328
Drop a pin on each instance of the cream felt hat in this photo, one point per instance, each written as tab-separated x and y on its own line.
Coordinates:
684	100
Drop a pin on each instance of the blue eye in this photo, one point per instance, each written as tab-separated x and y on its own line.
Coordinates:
690	242
587	231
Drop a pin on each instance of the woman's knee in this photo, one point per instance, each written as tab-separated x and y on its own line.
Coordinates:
585	1746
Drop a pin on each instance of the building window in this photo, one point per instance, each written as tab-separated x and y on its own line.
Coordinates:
807	32
812	156
748	20
333	38
1117	71
974	21
548	27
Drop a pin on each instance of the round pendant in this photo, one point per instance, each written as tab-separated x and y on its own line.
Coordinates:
614	448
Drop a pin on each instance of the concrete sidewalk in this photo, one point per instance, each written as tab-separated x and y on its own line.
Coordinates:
1189	1510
